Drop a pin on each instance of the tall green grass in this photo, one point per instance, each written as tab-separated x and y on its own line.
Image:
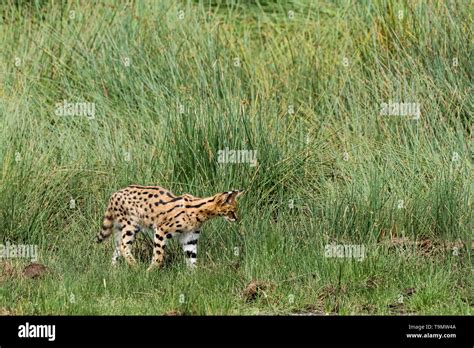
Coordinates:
301	83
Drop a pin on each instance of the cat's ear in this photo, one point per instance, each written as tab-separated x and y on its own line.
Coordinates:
232	196
229	197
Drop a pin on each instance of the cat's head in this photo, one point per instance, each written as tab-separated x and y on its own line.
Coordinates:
226	204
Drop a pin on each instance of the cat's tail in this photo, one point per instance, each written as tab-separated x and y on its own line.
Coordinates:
107	225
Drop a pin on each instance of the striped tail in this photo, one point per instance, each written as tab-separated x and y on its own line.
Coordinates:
107	225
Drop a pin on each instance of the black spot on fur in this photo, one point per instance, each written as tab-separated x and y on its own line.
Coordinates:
173	200
190	254
170	210
195	206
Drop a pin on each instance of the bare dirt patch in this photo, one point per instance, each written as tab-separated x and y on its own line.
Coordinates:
256	289
424	246
34	270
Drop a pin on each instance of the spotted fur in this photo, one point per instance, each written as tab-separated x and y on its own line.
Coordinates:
136	207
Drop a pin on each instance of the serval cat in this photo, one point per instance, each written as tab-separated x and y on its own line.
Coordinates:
136	207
